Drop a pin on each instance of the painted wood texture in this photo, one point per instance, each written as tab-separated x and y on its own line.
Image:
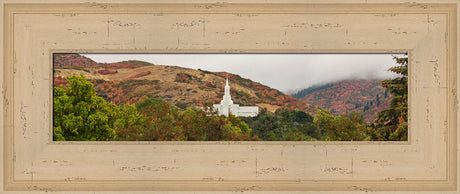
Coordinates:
32	32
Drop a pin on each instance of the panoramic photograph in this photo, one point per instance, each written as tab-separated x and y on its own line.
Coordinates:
230	97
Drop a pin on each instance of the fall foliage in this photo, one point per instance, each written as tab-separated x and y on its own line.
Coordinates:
116	103
81	115
366	97
129	82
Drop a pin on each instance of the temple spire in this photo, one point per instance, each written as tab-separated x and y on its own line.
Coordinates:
227	98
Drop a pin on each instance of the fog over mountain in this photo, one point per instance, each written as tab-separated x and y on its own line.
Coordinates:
285	72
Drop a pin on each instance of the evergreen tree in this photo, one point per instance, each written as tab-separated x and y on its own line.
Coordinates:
392	122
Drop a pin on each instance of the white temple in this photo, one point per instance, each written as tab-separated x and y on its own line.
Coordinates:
227	107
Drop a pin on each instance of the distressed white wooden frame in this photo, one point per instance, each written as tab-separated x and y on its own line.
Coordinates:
33	31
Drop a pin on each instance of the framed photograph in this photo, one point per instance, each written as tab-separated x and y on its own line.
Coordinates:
230	97
38	36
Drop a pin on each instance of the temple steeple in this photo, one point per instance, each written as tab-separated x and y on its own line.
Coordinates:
227	99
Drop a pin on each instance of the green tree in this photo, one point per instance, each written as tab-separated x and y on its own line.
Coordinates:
341	128
324	122
286	119
161	124
310	129
237	129
199	125
392	122
283	125
130	124
195	129
266	126
302	117
80	115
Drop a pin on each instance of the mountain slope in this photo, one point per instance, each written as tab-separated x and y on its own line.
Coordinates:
363	96
131	81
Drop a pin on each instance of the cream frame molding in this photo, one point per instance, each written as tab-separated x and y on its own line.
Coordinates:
32	31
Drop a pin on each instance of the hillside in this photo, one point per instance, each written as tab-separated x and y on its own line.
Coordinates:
363	96
131	81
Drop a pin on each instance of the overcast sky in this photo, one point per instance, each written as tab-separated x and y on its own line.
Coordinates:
285	72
